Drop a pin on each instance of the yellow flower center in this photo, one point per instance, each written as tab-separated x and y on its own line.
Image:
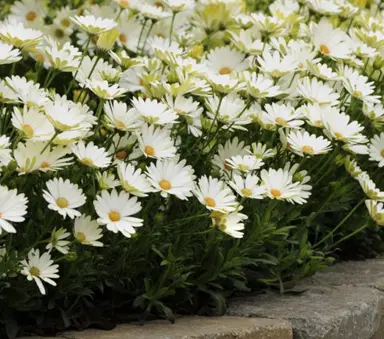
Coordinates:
87	161
357	94
281	121
307	149
28	130
149	150
123	38
210	202
34	271
243	168
124	3
65	22
119	124
338	135
324	49
121	155
246	192
80	236
165	184
301	65
114	216
225	70
62	202
31	16
44	164
382	153
318	123
275	193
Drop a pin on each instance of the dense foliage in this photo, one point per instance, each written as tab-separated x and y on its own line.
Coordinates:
159	156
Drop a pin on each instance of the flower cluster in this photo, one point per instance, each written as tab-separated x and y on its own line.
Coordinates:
202	110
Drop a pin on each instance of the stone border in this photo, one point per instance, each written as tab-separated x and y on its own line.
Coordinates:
192	328
345	301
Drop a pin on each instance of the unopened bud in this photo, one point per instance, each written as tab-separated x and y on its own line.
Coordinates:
107	39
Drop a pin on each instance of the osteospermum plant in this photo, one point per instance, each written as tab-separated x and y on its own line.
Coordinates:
157	156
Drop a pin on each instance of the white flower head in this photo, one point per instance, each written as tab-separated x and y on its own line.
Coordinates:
64	197
303	144
94	25
133	180
91	155
115	210
58	241
13	207
87	231
248	187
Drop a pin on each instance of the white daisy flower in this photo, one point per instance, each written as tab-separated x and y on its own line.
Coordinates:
316	91
215	195
129	29
7	95
119	116
87	231
8	54
166	50
260	86
230	223
156	142
245	163
322	71
14	33
338	126
302	143
93	25
188	110
177	6
279	184
376	149
229	110
150	11
115	210
313	113
29	12
224	61
376	210
173	177
261	151
247	41
28	92
247	187
65	58
107	180
5	150
40	269
275	66
13	207
154	112
280	114
329	41
103	90
359	86
369	187
64	197
228	150
66	115
131	79
91	155
58	241
33	124
133	180
374	112
325	7
223	83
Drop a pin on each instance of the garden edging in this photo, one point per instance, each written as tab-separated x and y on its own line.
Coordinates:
346	301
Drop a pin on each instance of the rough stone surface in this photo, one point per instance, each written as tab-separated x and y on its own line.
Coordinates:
194	328
345	301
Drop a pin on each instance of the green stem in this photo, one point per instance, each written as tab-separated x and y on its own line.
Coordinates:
350	235
50	141
341	223
146	37
85	50
89	76
141	34
171	30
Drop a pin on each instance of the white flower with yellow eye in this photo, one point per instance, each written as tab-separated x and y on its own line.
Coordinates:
133	180
94	25
91	155
115	211
303	144
248	187
376	210
40	269
316	91
376	149
215	195
8	54
154	112
230	223
14	33
87	231
171	177
118	115
64	197
245	163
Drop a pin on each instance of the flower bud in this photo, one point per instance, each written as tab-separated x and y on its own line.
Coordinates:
71	256
107	39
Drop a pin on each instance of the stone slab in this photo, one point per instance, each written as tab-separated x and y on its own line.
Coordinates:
193	328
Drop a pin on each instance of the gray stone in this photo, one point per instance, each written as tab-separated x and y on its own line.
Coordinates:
342	302
338	313
194	328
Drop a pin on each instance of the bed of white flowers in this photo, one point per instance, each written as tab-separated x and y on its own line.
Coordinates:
156	153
